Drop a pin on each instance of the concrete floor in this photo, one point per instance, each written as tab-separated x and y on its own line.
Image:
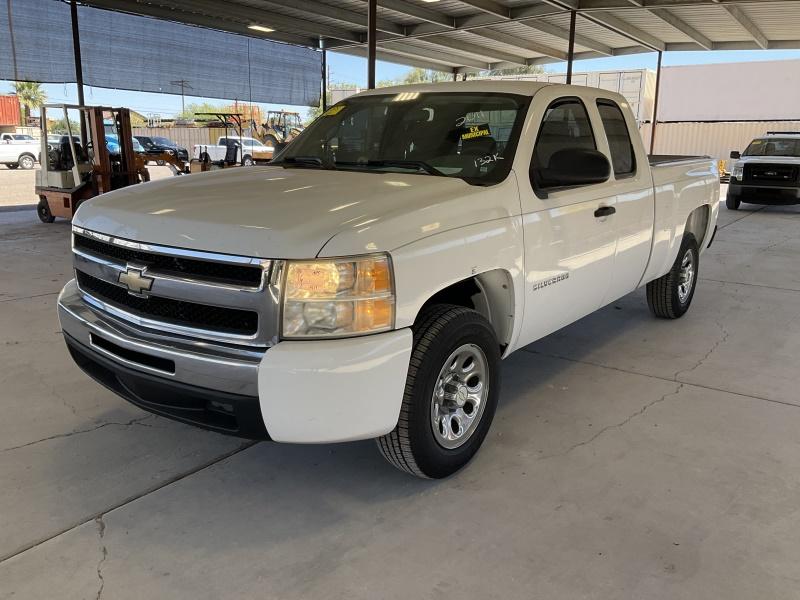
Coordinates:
630	458
17	185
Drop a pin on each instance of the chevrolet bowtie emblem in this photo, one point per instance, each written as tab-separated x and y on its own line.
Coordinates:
135	281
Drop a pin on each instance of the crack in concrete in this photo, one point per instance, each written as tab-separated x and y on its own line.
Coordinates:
101	532
18	298
81	431
619	425
725	335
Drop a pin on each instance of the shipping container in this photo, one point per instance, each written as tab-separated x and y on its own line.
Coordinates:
711	139
9	110
638	86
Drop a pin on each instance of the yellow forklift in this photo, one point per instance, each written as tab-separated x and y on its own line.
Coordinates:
75	169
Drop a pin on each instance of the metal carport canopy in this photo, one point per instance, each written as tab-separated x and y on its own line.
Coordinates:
474	35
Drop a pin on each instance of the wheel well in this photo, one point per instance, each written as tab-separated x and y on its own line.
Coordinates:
697	224
27	154
490	293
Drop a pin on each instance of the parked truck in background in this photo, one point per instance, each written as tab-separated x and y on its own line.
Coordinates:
249	150
19	150
767	172
368	283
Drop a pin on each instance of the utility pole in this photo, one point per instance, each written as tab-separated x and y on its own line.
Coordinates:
184	86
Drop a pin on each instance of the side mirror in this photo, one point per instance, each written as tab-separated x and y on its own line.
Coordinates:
736	154
574	166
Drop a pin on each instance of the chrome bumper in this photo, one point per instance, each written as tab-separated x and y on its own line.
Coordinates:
174	358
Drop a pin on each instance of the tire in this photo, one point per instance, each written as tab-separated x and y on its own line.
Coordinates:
732	202
271	140
248	161
43	211
12	165
204	157
441	333
27	162
667	296
161	163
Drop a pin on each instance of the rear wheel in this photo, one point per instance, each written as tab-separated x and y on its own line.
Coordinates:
12	165
248	161
732	202
450	396
43	211
161	163
27	162
669	296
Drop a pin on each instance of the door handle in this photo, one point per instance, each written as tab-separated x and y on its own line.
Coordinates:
604	211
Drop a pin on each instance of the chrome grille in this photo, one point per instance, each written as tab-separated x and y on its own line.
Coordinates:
209	296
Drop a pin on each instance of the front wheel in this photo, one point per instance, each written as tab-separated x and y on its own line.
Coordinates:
732	202
12	165
161	163
450	396
248	161
43	211
27	162
669	296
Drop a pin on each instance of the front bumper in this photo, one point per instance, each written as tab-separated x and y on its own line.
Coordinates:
753	194
306	391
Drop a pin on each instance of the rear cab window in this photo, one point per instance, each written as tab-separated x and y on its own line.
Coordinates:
623	159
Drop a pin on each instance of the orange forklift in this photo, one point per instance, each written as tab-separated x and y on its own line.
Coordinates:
76	169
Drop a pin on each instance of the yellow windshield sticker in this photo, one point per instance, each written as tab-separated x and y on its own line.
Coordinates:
334	110
476	131
757	142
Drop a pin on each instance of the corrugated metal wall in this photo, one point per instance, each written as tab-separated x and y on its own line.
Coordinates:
714	139
9	110
185	136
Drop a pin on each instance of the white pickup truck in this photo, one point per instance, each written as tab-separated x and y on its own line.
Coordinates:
18	150
368	283
250	151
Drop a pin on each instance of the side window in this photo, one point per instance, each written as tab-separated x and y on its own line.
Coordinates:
565	126
619	139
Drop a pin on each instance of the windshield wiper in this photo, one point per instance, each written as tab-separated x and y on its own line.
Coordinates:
305	161
420	165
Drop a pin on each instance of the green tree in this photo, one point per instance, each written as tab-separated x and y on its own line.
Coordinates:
418	75
60	126
521	70
201	107
30	95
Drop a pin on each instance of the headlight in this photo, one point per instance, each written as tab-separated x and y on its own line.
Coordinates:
738	171
338	297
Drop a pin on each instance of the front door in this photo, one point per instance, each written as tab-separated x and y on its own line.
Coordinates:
569	230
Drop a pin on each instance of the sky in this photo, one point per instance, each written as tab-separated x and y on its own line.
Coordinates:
352	69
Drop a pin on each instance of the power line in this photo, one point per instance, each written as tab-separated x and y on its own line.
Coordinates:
184	86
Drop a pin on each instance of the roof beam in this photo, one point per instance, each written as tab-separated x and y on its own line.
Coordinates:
344	15
434	55
743	20
462	46
387	56
419	12
683	27
560	32
623	4
518	42
489	6
625	29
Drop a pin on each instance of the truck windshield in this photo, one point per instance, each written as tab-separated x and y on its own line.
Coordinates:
451	134
774	147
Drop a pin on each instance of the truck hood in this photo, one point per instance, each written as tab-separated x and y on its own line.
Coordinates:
772	160
272	212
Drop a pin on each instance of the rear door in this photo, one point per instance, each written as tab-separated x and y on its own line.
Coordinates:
569	232
633	220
